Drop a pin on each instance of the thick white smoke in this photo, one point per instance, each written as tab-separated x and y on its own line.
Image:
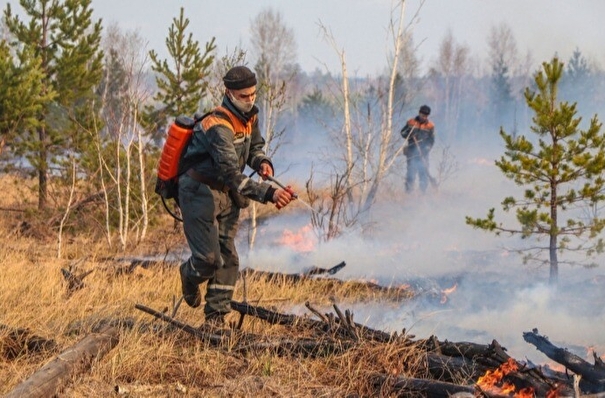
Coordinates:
423	240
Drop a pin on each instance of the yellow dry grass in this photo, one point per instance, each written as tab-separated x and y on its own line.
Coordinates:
152	360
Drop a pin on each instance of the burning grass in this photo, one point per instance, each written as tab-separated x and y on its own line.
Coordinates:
151	359
155	359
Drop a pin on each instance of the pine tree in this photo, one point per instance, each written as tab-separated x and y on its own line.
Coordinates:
501	98
62	35
562	174
578	84
21	96
182	85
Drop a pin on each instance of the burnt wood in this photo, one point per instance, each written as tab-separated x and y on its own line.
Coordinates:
239	341
334	326
297	277
406	387
593	376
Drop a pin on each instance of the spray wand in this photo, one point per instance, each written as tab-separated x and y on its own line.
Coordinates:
294	194
282	186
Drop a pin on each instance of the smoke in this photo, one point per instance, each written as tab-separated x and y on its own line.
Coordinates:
423	240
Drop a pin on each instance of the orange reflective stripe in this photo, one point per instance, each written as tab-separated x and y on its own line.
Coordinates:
427	125
233	123
212	120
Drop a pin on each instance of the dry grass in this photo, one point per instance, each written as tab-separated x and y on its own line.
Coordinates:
151	359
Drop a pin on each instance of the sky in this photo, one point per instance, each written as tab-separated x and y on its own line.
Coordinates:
359	27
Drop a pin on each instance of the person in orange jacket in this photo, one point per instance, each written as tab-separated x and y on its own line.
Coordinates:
419	135
214	189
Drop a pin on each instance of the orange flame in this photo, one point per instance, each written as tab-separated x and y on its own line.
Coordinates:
527	392
446	292
492	381
300	241
553	393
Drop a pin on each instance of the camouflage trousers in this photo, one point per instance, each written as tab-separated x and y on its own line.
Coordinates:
210	223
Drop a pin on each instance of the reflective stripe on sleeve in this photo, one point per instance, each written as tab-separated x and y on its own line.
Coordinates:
220	287
243	183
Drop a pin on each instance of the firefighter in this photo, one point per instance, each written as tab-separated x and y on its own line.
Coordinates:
419	136
214	189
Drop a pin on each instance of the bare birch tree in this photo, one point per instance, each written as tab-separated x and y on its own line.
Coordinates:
447	81
369	148
386	158
123	94
274	47
67	208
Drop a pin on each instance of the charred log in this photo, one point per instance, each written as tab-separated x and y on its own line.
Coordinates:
201	333
445	362
247	272
450	369
74	282
342	326
277	276
472	351
593	376
246	342
393	292
330	271
405	387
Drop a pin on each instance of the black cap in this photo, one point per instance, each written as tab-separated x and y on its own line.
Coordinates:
425	109
239	77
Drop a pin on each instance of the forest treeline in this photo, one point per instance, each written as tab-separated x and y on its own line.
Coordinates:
84	107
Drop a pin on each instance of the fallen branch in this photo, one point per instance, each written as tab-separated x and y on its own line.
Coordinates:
49	379
77	206
593	374
341	328
445	362
12	209
309	274
404	387
247	342
201	334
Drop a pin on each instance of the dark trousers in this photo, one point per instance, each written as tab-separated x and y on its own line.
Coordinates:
417	165
210	223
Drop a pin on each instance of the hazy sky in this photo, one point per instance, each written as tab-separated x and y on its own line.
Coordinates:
360	26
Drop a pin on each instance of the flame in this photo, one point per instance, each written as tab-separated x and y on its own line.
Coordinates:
491	381
553	393
554	366
300	241
593	350
527	392
447	292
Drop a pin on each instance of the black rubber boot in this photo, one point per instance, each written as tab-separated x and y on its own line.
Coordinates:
215	319
191	290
